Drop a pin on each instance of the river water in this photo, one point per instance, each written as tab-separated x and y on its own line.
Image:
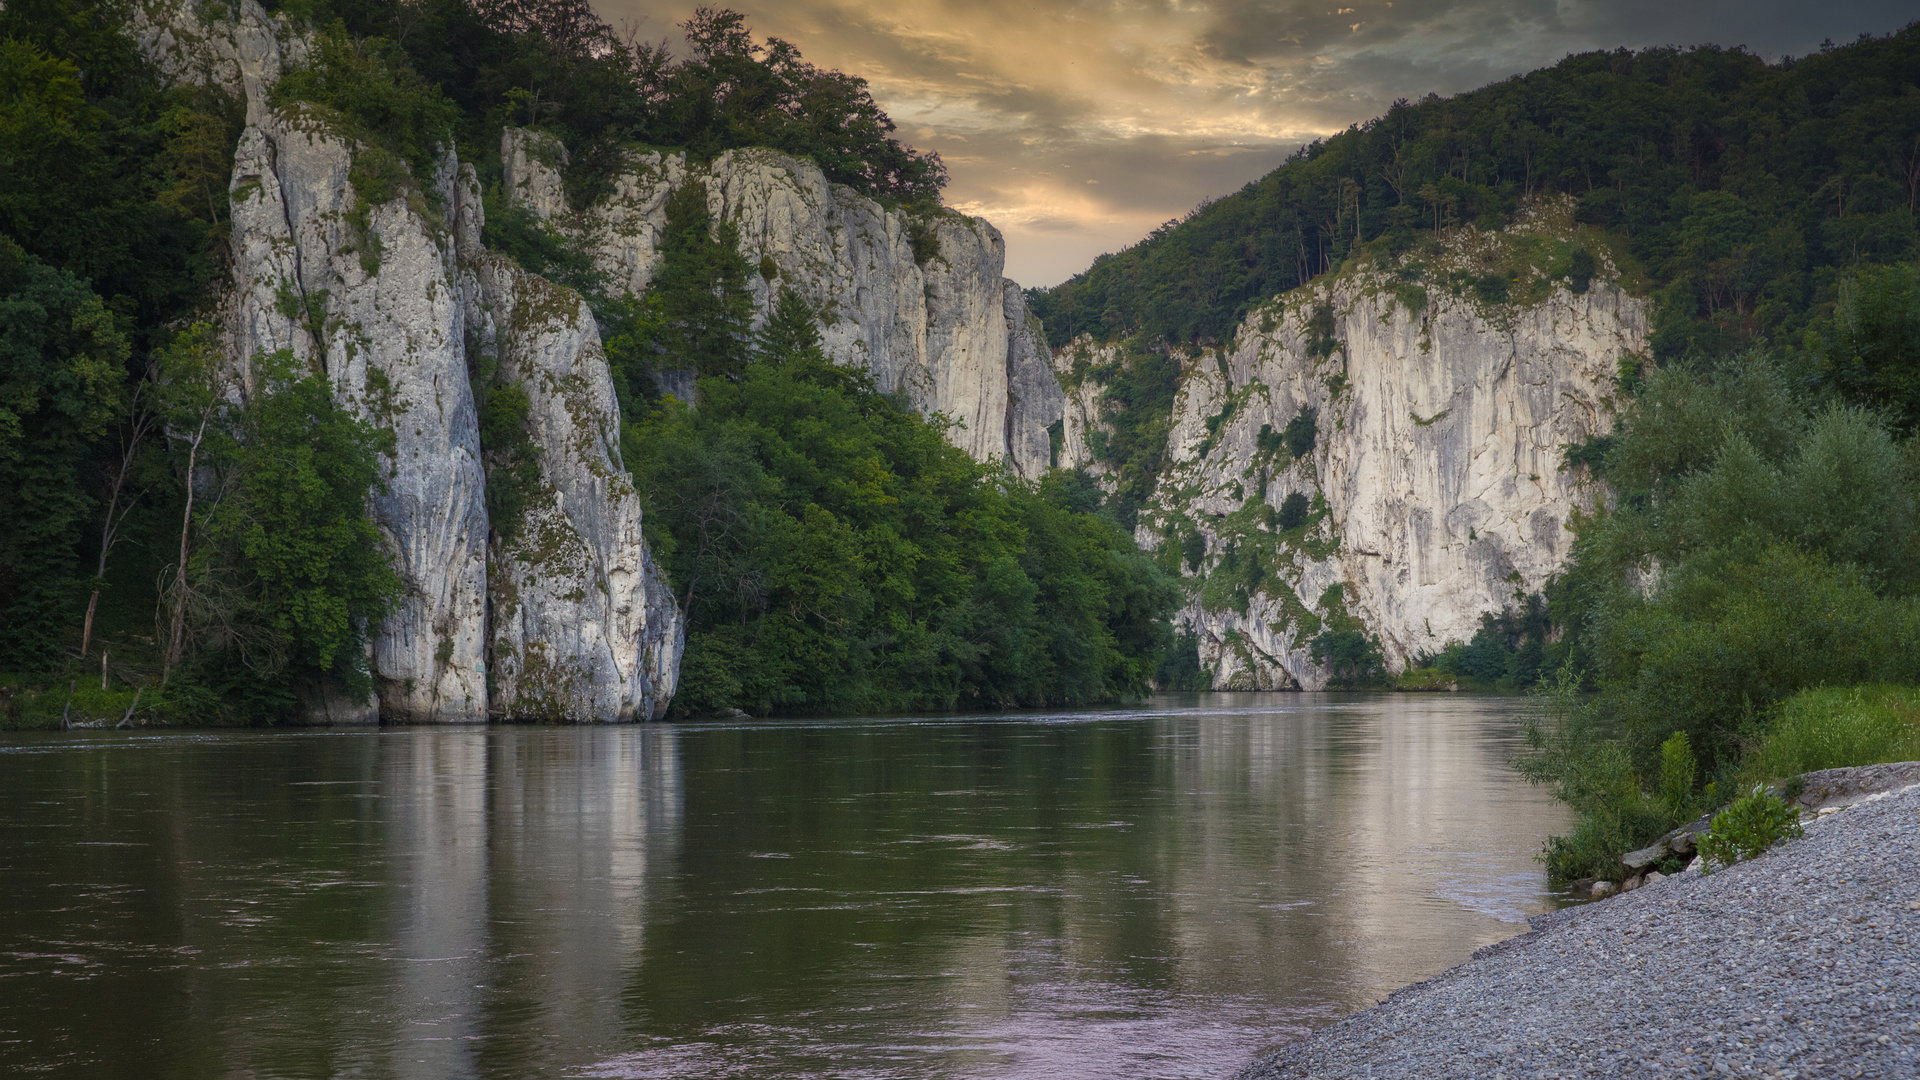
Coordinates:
1152	892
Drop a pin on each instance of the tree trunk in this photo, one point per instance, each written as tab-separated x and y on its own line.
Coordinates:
116	513
180	572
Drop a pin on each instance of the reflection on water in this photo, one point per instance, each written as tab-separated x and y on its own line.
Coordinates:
1157	892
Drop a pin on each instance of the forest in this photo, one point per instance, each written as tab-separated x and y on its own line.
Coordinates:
1742	190
176	554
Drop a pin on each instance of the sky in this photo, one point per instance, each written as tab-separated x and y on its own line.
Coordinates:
1078	126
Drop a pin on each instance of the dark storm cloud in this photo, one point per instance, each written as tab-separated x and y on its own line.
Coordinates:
1076	126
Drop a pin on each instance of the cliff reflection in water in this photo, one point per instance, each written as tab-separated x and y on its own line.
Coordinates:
521	858
1155	892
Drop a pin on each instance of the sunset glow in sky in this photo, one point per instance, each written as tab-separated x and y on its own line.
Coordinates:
1077	126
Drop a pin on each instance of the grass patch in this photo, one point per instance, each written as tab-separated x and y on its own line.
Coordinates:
1836	727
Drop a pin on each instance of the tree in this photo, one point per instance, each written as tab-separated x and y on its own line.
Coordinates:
61	358
299	524
1870	348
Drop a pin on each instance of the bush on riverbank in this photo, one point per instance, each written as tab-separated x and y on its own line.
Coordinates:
34	704
1747	828
1759	556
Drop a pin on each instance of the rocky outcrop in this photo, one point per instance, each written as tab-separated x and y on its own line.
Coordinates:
918	299
399	304
1433	489
583	625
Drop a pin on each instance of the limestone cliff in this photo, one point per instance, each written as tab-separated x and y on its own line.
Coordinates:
1433	490
401	306
943	326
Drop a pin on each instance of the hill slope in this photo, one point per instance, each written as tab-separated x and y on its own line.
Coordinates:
1739	186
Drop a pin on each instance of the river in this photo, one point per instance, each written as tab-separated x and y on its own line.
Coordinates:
1160	891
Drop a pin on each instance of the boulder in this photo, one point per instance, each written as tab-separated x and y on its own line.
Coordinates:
1646	856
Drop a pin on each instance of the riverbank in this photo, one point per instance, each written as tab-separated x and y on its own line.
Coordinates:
1800	963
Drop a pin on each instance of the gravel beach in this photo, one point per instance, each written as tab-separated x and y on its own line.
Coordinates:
1800	963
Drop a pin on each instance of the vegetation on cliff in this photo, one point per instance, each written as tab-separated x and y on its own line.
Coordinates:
204	553
1740	194
215	557
832	551
1742	188
557	66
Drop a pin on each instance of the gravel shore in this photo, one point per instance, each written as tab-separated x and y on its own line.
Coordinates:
1800	963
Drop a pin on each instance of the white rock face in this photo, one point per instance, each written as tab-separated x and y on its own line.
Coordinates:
386	301
1436	478
584	626
391	342
952	333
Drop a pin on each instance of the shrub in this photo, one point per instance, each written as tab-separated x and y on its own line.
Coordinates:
1424	678
1293	511
1580	272
1593	848
1352	658
1746	829
1678	768
1301	433
1572	748
1732	633
1490	288
372	89
1831	728
1194	551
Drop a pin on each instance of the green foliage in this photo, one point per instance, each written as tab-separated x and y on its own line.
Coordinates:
368	91
1678	771
1580	271
1747	828
1510	650
1301	432
303	469
1490	288
835	553
1574	749
1321	341
1193	551
789	335
512	461
1352	657
1734	631
1180	668
1868	348
284	574
518	233
698	315
61	373
1140	387
1779	175
1421	679
1758	560
556	65
108	175
1293	511
1836	727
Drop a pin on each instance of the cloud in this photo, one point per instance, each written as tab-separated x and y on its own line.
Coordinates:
1167	102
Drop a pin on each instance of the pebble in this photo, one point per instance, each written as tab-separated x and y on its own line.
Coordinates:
1804	962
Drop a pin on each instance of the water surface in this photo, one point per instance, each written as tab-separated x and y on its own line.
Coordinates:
1156	892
